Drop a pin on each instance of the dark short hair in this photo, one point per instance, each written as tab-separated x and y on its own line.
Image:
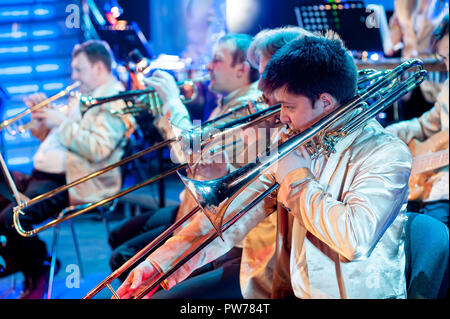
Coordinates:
96	51
242	43
310	66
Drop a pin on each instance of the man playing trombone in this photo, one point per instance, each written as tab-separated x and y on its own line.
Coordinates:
234	80
340	216
72	147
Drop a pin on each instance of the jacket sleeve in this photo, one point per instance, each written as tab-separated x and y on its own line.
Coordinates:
353	224
94	142
178	116
199	228
428	124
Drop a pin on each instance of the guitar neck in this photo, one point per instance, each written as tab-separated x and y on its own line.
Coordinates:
429	162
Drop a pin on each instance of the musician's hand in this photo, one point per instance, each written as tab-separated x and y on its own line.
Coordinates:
252	107
34	99
167	90
51	117
138	278
294	160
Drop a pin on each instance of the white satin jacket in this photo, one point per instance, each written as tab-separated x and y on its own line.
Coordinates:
95	141
343	236
429	123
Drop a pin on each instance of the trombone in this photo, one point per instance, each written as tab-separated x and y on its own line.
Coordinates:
192	143
214	196
186	138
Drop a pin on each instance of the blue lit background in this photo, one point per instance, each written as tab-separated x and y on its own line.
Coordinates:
35	55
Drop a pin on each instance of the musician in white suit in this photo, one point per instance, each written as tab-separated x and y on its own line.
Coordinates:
339	218
428	261
74	144
432	122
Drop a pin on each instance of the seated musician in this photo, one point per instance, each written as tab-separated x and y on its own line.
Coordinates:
339	217
435	120
74	144
261	239
234	80
428	261
411	29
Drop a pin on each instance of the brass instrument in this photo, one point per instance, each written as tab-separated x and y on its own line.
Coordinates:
193	143
142	100
16	120
186	138
215	196
20	198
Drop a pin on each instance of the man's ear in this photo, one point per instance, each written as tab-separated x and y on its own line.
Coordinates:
98	67
328	102
243	69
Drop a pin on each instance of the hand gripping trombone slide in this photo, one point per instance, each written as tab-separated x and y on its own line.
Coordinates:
205	133
214	196
185	138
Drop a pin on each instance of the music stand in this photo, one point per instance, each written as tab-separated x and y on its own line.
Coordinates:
357	25
124	39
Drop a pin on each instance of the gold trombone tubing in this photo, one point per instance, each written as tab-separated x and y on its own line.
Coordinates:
92	206
220	192
18	210
242	123
187	86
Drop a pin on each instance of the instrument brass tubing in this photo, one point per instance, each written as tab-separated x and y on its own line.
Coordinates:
218	194
90	101
95	174
10	181
223	147
248	120
126	160
54	222
18	210
221	192
147	249
40	105
228	224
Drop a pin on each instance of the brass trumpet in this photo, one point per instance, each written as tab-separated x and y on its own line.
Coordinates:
186	138
17	118
215	196
141	100
192	142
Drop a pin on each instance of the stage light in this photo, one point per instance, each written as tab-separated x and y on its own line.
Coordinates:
15	70
41	47
22	88
112	11
20	160
53	86
374	57
116	11
241	14
13	49
47	67
14	13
